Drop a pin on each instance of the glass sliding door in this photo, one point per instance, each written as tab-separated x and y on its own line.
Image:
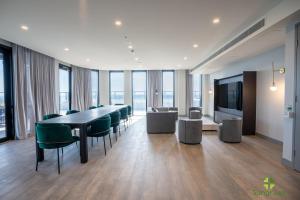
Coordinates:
64	89
6	106
139	92
168	88
197	90
95	87
116	87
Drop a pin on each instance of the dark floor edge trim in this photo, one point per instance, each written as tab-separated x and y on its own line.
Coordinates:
287	163
269	138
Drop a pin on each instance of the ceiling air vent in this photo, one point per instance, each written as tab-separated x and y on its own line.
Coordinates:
239	38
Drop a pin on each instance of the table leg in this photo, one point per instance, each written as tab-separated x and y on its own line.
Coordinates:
114	129
83	144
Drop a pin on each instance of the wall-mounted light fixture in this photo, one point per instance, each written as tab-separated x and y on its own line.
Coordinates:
210	91
281	70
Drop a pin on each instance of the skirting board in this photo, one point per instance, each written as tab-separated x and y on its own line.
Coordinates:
269	138
287	163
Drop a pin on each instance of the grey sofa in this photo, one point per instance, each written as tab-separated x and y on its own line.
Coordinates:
190	131
231	130
161	122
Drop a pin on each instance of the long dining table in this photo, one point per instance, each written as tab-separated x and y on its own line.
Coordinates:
79	120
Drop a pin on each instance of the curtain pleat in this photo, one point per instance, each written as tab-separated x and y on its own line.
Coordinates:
34	89
81	88
154	90
189	91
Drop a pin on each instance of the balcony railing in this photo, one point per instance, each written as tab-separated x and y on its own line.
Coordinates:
168	98
117	97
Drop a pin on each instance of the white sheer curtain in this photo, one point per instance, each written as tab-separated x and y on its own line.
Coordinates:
189	91
154	90
34	89
81	88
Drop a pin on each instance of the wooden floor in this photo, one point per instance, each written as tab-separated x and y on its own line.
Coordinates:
142	166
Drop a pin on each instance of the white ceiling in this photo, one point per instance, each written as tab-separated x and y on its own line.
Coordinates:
162	32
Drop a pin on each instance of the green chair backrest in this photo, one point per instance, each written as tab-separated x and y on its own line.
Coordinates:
119	104
72	111
124	112
53	135
92	107
129	109
115	117
100	106
101	125
49	116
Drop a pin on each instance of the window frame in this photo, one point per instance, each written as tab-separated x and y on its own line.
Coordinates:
98	95
109	80
162	88
8	92
132	71
200	91
68	69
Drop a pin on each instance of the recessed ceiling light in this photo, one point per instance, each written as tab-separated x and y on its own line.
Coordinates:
195	45
216	20
130	46
66	49
88	60
185	58
118	23
24	27
136	59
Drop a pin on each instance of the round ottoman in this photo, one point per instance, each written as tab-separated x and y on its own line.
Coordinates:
190	131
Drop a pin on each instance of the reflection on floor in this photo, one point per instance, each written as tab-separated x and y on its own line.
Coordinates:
148	166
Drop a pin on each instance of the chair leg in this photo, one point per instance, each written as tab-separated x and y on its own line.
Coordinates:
97	139
58	165
92	141
109	140
116	136
36	164
104	144
62	151
119	130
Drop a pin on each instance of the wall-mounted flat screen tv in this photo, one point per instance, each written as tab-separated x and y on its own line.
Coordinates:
230	95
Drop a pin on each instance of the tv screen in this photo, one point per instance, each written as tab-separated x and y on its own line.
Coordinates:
230	95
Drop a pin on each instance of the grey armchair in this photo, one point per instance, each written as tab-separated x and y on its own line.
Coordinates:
195	112
231	130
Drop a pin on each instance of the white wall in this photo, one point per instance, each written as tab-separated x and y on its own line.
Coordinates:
269	119
270	105
127	87
104	87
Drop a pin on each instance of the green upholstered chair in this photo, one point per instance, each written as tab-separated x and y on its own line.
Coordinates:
92	107
99	106
54	136
72	112
49	116
129	112
115	121
100	128
69	112
124	115
119	104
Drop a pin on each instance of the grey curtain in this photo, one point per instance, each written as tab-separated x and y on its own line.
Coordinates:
34	88
189	91
81	88
154	90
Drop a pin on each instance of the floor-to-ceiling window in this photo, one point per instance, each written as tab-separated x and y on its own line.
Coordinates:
95	87
116	87
168	81
64	89
197	90
6	106
139	92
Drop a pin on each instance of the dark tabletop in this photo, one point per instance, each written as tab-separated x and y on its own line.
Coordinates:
83	117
